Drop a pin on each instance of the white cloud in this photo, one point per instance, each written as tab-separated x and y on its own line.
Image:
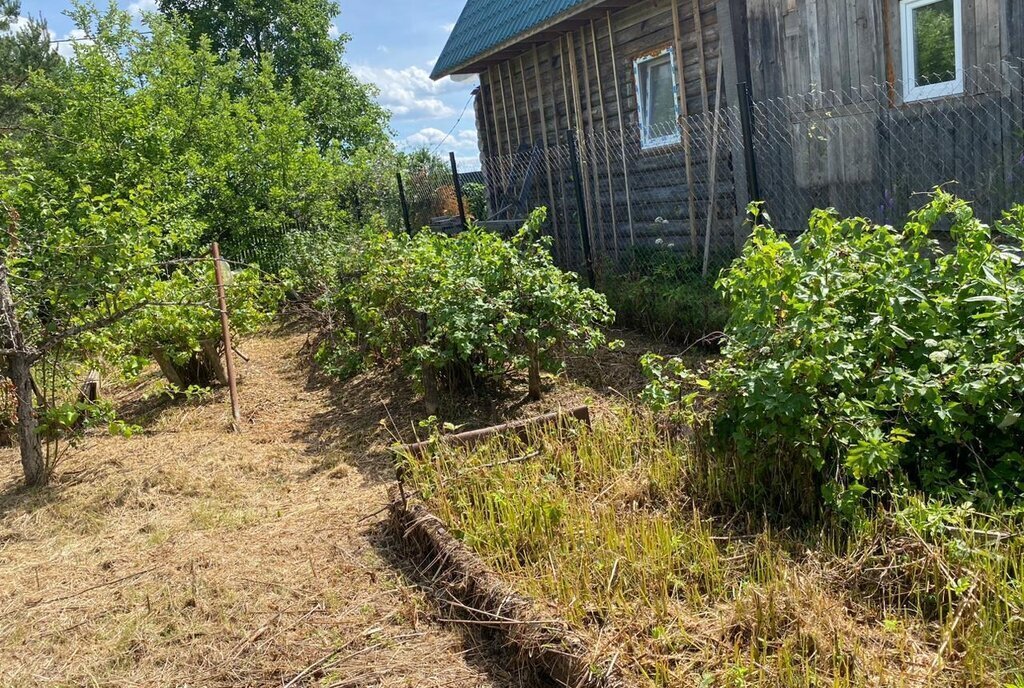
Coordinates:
383	49
459	141
410	93
449	27
333	31
139	6
67	45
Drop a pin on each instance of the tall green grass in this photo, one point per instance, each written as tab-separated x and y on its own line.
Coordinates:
612	527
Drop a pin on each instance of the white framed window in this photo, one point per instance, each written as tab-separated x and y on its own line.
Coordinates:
933	48
657	99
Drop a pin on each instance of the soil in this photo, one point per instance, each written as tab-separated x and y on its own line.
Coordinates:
191	555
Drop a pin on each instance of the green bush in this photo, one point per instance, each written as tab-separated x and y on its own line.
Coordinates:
471	307
476	200
662	291
179	330
871	357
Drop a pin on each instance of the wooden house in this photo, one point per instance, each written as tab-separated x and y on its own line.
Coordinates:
655	89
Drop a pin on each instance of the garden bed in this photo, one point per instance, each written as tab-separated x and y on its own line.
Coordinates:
613	530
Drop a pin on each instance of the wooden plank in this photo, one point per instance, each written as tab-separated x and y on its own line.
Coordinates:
687	153
698	30
607	144
526	101
622	128
590	159
515	108
538	84
504	111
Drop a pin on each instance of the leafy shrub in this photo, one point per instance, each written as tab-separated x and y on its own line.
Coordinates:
471	307
179	330
870	356
475	196
662	291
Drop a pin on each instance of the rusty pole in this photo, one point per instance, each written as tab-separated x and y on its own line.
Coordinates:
225	327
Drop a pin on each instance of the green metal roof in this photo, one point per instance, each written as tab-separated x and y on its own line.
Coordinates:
486	24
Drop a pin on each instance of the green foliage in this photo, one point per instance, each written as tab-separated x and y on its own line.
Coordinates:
488	305
293	36
871	356
185	311
661	290
475	197
215	142
24	48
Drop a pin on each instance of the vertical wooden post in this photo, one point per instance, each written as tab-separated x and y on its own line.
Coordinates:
458	190
581	206
405	204
714	169
685	110
607	143
225	327
622	129
552	212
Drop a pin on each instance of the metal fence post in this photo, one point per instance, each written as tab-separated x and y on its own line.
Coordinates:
404	202
458	190
746	124
581	207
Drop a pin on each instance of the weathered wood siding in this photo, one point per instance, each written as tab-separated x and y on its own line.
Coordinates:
583	79
831	126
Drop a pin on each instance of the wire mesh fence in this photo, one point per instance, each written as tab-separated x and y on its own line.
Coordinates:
867	152
651	216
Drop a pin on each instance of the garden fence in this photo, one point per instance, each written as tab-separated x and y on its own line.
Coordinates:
628	215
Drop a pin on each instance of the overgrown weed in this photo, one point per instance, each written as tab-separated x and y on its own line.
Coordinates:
634	537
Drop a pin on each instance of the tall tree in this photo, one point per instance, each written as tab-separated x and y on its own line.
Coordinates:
295	35
24	48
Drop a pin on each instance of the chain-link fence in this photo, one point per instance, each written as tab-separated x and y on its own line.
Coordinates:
651	215
866	152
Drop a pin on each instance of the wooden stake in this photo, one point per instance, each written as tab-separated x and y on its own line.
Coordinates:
544	137
225	327
685	109
713	166
515	106
504	110
622	129
607	145
698	29
592	164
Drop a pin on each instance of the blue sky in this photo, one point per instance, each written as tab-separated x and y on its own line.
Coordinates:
394	45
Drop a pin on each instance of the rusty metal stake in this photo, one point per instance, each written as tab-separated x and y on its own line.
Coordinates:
225	327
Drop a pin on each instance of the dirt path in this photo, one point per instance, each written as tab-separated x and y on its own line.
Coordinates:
191	556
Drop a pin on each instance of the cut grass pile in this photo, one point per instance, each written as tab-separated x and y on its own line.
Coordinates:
607	529
189	555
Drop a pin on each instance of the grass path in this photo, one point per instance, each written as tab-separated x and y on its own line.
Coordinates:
192	556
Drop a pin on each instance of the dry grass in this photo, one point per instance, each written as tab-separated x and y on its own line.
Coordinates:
189	555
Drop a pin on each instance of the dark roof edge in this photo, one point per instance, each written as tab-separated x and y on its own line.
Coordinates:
437	74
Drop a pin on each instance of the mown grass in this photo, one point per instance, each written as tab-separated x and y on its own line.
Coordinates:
612	528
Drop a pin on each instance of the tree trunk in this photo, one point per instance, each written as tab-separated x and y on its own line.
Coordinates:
32	461
534	373
19	368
